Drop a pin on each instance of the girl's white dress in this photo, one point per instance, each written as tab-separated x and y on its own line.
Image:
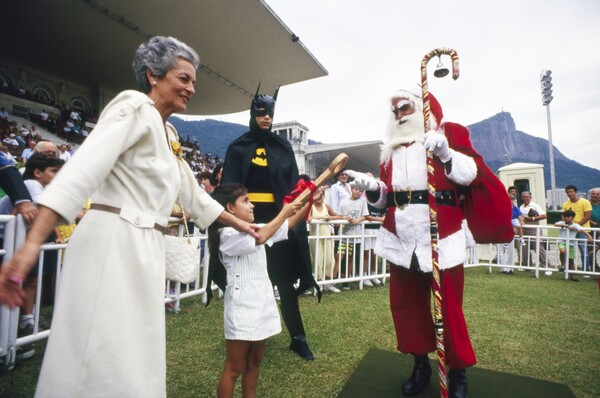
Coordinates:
250	309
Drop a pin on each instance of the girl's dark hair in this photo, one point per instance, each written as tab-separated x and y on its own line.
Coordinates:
223	194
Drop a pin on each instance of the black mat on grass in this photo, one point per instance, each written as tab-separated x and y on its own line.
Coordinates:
381	373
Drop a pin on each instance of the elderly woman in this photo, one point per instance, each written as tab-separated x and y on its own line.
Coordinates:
108	329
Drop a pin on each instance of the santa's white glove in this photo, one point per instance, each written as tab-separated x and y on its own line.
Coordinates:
438	144
363	181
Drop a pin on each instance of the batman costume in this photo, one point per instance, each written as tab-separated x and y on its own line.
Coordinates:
266	165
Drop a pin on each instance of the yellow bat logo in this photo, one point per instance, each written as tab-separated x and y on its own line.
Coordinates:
261	157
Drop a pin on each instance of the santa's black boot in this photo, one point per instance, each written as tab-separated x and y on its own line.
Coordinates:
458	384
420	377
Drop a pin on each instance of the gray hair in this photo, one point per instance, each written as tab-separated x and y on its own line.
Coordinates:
46	147
159	54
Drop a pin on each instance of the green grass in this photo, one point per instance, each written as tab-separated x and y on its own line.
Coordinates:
545	328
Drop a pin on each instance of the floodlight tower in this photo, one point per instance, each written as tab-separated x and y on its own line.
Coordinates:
546	84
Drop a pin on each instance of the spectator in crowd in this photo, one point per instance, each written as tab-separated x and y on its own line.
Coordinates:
204	179
44	115
10	139
569	230
532	215
355	211
75	117
12	184
27	152
217	172
517	216
69	127
583	211
595	223
4	114
24	129
39	172
7	157
47	147
322	248
64	153
20	140
85	131
375	215
35	133
119	242
339	191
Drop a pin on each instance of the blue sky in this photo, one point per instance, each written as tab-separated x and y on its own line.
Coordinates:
372	47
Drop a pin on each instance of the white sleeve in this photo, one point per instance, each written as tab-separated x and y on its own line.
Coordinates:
235	243
280	234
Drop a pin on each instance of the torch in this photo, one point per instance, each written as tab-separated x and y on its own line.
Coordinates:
437	291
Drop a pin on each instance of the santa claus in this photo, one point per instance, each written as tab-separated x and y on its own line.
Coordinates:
405	240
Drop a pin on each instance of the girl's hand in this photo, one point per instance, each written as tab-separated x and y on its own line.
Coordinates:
291	208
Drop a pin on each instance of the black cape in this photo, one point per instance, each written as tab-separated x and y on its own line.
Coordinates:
287	260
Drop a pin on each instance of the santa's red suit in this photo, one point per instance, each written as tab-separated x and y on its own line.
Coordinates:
405	240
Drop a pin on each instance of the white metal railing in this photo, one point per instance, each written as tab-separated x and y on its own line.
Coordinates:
360	266
14	236
337	258
539	253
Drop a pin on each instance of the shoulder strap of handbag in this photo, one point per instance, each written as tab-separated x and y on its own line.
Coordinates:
185	221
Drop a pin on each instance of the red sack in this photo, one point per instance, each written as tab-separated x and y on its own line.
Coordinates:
488	210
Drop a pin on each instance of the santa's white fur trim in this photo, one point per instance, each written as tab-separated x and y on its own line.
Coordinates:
452	249
464	169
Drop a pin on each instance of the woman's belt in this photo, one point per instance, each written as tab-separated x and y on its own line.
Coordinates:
117	210
261	197
403	198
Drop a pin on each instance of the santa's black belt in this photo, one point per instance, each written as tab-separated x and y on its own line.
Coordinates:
403	198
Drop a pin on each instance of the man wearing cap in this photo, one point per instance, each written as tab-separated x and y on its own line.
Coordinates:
404	239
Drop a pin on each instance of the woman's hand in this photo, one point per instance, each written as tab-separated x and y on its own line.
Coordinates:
14	272
239	225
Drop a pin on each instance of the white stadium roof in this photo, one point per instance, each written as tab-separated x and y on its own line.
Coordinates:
91	42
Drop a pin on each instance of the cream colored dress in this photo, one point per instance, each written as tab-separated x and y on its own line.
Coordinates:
108	329
322	248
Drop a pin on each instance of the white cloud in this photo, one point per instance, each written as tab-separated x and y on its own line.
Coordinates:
372	47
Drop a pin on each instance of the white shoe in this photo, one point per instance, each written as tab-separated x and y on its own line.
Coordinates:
331	288
376	282
367	282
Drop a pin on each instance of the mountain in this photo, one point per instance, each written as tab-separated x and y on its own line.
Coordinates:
495	138
212	135
500	143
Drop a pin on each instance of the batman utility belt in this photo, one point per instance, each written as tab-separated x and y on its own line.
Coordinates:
260	197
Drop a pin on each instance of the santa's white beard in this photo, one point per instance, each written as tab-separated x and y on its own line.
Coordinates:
411	130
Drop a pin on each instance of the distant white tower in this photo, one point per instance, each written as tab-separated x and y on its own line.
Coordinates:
297	135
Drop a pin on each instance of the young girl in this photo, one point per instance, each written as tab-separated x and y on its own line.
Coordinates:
251	313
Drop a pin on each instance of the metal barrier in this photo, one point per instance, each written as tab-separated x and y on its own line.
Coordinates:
14	236
362	266
539	253
335	250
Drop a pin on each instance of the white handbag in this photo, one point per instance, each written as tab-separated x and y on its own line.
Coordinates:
182	256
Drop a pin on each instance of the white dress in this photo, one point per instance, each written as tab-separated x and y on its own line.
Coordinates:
108	328
250	310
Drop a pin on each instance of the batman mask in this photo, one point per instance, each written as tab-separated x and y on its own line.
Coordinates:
262	105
